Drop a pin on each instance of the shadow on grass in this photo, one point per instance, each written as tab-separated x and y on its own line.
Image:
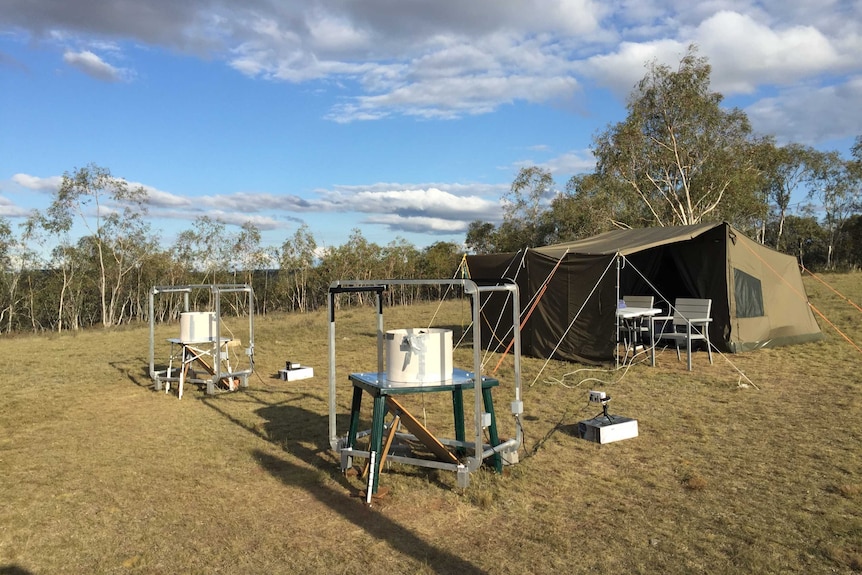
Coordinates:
13	570
286	425
293	428
374	523
304	435
137	371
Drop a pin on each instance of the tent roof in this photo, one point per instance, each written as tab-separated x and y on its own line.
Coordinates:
626	242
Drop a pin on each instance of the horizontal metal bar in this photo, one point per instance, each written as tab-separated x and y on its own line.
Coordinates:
404	459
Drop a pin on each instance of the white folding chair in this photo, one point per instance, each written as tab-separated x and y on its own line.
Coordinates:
689	322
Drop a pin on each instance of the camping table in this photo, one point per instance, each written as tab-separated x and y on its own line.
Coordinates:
633	315
376	385
190	352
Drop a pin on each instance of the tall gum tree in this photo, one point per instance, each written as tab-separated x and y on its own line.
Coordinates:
835	187
112	213
679	153
788	169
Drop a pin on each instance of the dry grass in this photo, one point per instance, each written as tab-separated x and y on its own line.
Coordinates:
102	475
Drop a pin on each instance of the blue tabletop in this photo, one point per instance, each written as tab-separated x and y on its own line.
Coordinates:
377	383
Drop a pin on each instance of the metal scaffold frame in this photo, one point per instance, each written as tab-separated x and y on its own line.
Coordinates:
480	419
213	349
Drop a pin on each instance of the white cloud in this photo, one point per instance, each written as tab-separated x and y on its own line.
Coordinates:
428	202
239	218
48	185
435	59
9	209
248	202
621	70
419	224
745	54
568	164
92	65
809	114
160	199
453	97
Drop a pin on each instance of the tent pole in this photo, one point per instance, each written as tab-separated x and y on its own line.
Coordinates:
616	317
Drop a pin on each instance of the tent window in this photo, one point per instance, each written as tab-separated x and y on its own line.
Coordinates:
749	295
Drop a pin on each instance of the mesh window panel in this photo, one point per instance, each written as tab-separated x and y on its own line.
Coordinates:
749	295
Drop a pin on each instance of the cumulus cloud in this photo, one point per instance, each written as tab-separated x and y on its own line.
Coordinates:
566	165
419	224
435	59
431	201
746	54
35	183
159	199
810	115
8	209
397	207
255	202
417	209
93	66
261	222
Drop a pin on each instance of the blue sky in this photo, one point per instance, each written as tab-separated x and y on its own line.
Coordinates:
400	118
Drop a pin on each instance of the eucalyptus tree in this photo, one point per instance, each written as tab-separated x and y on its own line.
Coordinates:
787	170
805	238
440	260
43	229
298	254
481	237
204	250
357	258
678	152
8	278
23	277
591	205
851	241
835	187
399	259
22	266
112	214
524	207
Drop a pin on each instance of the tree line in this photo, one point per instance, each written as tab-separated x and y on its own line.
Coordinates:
104	277
90	258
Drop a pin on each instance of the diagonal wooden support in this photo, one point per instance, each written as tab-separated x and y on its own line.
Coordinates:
393	428
421	432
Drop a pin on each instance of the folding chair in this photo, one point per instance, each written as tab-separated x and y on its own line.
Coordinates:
690	322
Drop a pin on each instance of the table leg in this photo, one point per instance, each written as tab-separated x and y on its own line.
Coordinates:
458	413
492	429
652	341
183	369
355	406
377	418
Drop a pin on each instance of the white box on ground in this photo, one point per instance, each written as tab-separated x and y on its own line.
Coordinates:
296	373
603	430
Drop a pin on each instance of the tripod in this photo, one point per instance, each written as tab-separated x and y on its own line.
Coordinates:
604	412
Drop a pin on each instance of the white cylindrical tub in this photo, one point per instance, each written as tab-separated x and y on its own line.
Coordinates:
197	326
418	356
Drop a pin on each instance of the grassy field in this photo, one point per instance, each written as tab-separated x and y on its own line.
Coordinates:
101	474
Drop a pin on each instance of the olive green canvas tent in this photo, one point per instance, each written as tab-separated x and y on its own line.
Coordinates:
569	292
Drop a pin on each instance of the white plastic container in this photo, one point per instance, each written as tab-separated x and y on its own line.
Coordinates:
197	326
418	356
